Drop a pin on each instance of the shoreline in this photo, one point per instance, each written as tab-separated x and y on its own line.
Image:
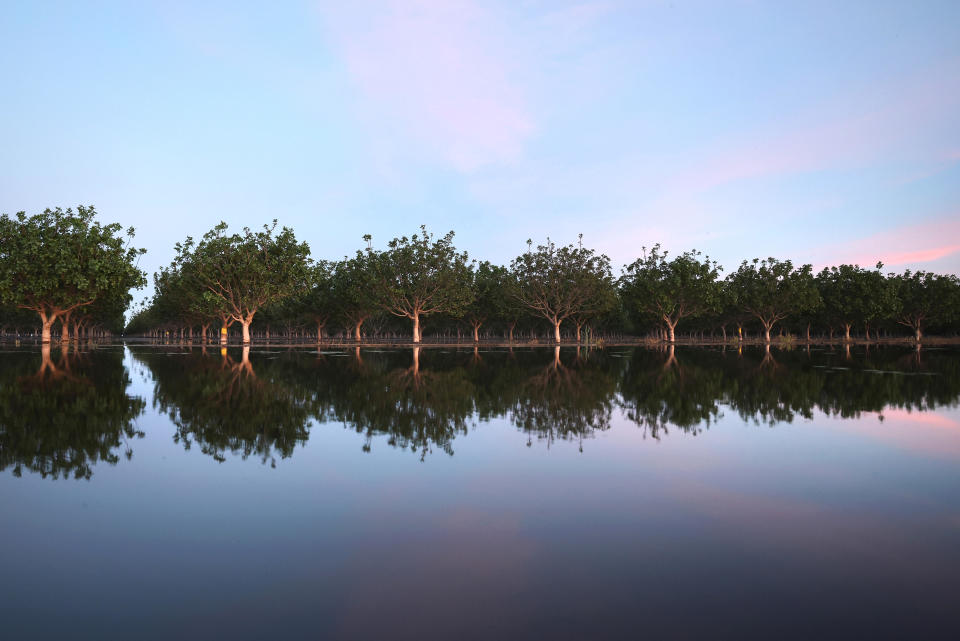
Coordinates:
600	344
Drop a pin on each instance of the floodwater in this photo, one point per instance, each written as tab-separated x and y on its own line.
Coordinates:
164	492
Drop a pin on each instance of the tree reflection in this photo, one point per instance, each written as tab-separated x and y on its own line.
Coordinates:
62	418
415	407
658	390
566	401
223	404
422	399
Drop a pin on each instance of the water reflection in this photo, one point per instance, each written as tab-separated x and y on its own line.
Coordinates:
63	411
222	403
422	399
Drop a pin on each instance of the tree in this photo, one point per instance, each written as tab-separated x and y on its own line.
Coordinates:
686	286
771	289
354	296
250	270
317	303
854	296
57	262
557	283
418	276
923	297
489	283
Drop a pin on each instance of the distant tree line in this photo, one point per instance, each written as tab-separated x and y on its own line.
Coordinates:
64	266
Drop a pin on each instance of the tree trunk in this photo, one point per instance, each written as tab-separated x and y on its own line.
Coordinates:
320	332
766	331
808	332
416	329
204	332
476	332
65	321
919	334
866	331
579	325
246	330
846	335
512	325
223	334
46	323
723	328
556	330
356	330
671	327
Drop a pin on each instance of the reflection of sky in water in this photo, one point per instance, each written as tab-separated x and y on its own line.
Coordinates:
838	525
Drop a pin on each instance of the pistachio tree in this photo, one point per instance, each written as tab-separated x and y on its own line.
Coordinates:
246	271
924	297
421	275
61	261
770	290
489	283
670	290
854	296
556	283
353	292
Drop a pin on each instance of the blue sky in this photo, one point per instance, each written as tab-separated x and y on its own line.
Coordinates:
821	132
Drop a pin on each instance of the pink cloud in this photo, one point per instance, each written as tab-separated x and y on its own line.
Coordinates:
909	245
440	72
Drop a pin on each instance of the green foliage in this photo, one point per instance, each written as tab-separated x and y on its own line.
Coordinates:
246	271
60	261
654	288
771	290
923	297
854	296
557	283
491	296
420	275
352	292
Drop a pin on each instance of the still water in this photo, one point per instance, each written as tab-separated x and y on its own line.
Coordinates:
158	492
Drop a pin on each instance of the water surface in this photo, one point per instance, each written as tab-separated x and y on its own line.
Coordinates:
171	492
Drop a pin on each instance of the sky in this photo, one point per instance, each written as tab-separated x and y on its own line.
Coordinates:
822	132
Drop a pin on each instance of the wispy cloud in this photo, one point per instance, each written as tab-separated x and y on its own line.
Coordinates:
868	128
907	245
441	72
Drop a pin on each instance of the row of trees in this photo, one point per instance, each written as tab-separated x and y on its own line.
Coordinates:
228	279
65	266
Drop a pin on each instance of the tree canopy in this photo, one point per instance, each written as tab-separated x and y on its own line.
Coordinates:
771	290
248	270
670	290
556	283
60	261
421	275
